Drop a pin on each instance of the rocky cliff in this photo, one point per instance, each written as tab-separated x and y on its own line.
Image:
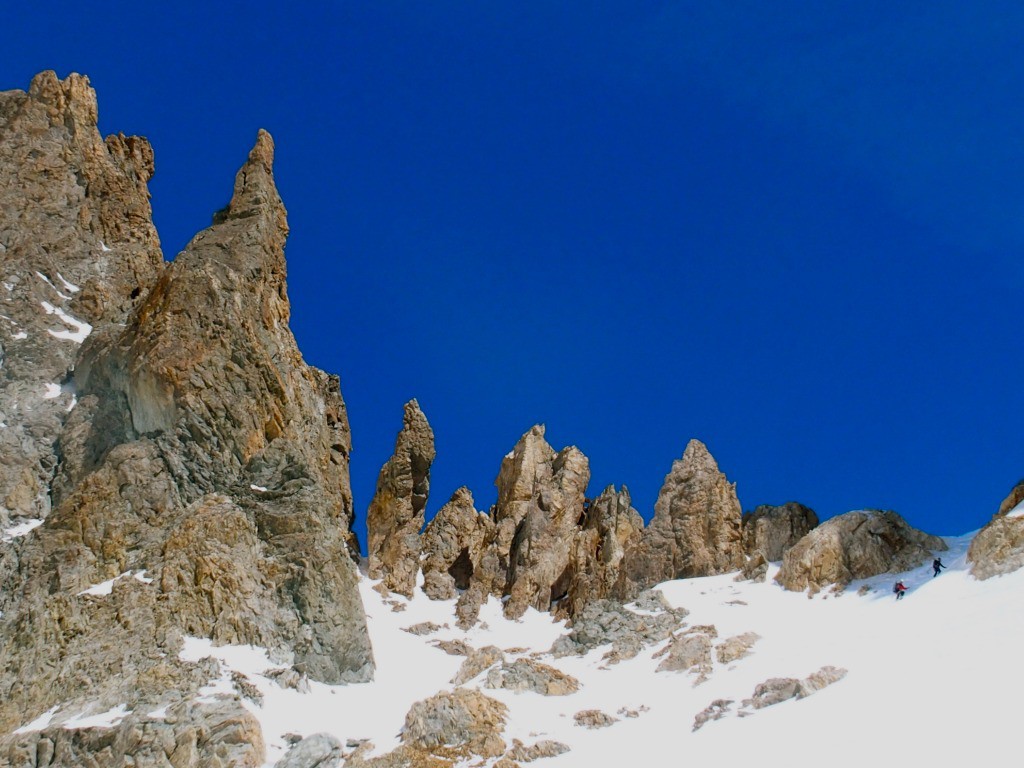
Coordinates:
199	484
855	545
397	512
999	547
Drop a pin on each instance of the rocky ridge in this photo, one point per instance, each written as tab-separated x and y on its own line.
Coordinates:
198	485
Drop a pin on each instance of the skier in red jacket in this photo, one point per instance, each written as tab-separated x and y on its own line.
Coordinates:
900	588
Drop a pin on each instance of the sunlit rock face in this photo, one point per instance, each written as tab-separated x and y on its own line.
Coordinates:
200	483
77	251
540	505
855	545
396	514
772	530
999	546
696	529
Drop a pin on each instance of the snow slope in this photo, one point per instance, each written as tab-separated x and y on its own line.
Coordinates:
932	678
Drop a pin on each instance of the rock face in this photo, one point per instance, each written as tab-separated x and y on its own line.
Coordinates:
608	622
528	675
1015	497
453	545
203	469
396	514
539	508
772	530
192	736
695	530
77	250
999	546
610	527
855	545
462	719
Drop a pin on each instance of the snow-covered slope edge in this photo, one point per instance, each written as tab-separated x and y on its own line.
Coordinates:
934	675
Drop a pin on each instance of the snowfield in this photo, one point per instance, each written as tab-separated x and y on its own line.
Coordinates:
932	678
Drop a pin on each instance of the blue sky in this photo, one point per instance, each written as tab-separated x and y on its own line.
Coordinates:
791	230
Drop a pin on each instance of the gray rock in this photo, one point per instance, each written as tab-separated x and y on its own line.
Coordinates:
459	718
542	748
222	734
528	675
594	718
690	652
716	710
772	530
735	648
396	513
77	250
856	545
476	662
320	750
608	622
779	689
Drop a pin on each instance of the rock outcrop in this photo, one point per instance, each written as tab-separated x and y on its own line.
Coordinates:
528	675
202	486
464	720
998	548
608	622
221	733
77	251
540	504
772	530
610	527
453	545
856	545
396	514
695	530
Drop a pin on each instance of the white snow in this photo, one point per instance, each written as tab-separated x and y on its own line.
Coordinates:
52	391
81	328
20	335
68	286
107	719
9	287
21	529
40	722
918	672
46	280
106	587
1017	511
259	488
103	247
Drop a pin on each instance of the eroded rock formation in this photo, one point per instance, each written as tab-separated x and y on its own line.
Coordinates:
203	470
695	530
999	547
539	509
453	545
396	514
772	530
855	545
77	251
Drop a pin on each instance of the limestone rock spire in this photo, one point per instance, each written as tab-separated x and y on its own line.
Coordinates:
396	513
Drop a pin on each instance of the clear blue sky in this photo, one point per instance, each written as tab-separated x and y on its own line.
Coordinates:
791	230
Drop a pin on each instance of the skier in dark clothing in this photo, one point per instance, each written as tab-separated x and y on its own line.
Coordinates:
899	588
937	566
